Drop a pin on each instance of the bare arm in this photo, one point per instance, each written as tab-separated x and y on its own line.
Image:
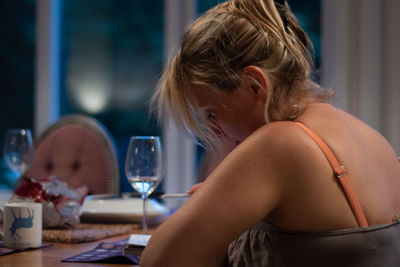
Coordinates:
211	159
237	195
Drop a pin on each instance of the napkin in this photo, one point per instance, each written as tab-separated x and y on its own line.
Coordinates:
5	251
106	252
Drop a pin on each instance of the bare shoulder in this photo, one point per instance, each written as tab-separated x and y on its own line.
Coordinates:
280	139
278	133
285	150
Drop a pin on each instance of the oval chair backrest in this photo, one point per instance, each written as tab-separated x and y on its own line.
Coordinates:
79	150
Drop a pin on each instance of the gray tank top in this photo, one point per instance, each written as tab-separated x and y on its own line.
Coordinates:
267	245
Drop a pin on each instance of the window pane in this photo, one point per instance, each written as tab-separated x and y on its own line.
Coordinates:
17	44
113	56
308	14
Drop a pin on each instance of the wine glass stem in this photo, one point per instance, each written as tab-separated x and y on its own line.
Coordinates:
144	222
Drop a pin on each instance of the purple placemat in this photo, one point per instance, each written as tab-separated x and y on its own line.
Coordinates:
5	251
105	252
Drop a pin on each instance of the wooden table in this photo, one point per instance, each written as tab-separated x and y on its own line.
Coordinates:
52	256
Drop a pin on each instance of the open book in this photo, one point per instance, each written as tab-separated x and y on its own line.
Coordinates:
136	244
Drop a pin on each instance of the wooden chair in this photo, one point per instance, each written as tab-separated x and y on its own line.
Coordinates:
79	150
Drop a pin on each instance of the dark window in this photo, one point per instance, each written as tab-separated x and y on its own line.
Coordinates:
112	59
17	62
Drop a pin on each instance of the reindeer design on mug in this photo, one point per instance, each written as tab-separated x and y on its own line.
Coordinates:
20	222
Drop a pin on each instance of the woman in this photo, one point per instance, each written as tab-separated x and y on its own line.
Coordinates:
282	196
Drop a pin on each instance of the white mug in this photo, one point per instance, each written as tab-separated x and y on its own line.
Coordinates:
22	225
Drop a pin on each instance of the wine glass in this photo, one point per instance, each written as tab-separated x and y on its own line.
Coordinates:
18	150
144	167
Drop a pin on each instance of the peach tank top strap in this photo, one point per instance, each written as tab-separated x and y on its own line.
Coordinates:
342	176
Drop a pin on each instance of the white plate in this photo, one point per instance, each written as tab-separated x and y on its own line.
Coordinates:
122	210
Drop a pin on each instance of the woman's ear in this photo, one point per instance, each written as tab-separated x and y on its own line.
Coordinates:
256	81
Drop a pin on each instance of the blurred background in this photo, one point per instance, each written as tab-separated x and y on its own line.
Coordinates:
103	58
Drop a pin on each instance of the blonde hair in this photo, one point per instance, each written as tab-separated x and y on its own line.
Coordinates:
220	44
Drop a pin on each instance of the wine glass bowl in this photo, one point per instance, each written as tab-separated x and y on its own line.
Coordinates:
144	167
18	150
